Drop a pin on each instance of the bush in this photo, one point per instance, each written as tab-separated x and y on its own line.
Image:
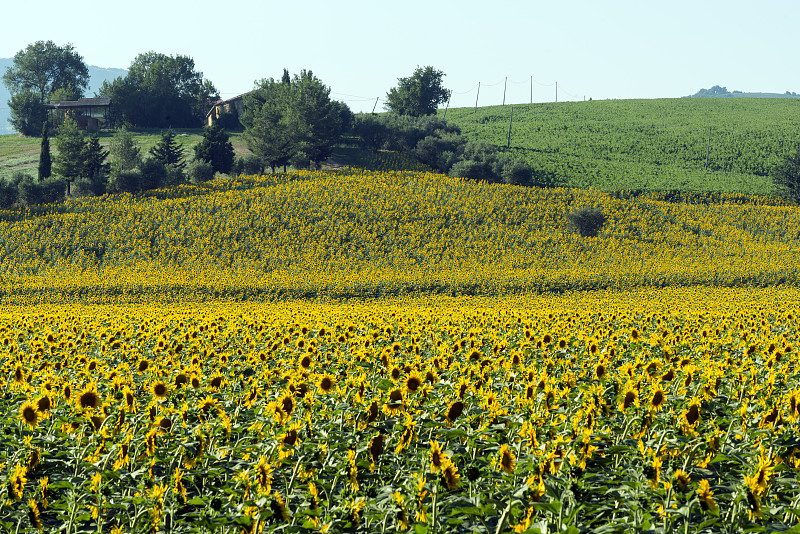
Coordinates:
587	221
514	171
252	165
199	171
153	174
83	187
472	169
8	194
128	181
440	152
174	176
230	122
46	192
786	177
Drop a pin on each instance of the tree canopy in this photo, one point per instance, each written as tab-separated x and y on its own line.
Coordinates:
160	91
419	94
41	72
293	119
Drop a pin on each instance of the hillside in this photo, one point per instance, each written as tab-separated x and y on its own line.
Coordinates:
97	75
358	233
699	144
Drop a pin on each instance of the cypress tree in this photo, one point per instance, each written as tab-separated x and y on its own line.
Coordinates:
45	163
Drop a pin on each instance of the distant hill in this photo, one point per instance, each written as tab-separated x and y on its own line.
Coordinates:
97	75
722	92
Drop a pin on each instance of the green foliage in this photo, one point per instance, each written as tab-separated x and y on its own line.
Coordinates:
419	94
587	221
8	194
292	120
127	181
123	153
69	163
46	192
45	162
95	168
160	91
28	115
45	68
644	144
168	151
786	177
199	171
215	149
153	174
372	131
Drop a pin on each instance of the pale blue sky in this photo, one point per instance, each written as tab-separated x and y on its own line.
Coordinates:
611	49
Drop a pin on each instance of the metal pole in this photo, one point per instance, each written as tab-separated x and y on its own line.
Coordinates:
505	84
476	96
708	149
376	104
556	91
531	89
510	122
447	106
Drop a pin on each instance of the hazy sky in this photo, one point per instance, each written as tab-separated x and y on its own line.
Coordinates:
593	49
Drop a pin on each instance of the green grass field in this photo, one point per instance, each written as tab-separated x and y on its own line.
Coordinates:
724	145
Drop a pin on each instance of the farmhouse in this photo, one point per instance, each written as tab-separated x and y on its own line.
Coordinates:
220	107
89	113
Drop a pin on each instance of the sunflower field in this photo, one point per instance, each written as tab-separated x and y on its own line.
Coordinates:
355	351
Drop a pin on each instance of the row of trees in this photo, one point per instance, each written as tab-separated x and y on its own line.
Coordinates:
159	91
82	166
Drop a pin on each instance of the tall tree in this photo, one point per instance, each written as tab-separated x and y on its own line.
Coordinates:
419	94
216	149
39	71
168	151
69	160
95	168
123	152
161	91
294	119
45	162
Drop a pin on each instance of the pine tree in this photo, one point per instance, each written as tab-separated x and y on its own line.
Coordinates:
95	169
168	151
69	160
216	149
45	163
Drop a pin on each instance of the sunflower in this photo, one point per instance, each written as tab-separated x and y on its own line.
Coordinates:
658	399
682	479
600	371
629	398
160	389
18	481
327	383
706	496
29	414
506	460
437	456
44	403
454	411
692	414
450	474
305	362
413	382
375	449
33	514
89	398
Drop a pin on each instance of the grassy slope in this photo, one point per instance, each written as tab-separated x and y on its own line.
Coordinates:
18	153
646	144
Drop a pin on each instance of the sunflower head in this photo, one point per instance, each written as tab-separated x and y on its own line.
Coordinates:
160	389
89	398
29	414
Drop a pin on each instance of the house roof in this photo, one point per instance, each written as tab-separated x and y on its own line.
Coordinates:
222	102
81	103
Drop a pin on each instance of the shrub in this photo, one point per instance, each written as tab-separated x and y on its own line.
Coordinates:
8	194
153	175
440	152
786	177
127	181
83	187
472	169
45	192
199	171
587	221
174	176
252	165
